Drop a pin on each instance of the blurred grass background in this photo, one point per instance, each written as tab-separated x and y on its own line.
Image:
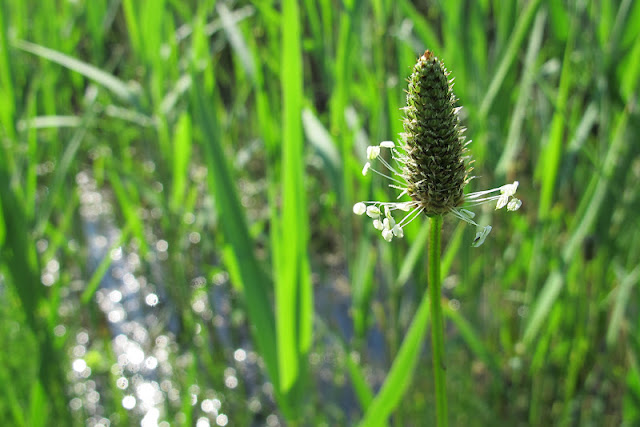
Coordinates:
228	139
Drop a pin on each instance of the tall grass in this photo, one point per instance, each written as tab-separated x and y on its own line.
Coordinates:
278	103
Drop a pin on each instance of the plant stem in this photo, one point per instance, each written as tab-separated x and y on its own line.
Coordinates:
437	327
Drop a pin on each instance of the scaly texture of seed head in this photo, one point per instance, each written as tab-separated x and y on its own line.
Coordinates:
436	168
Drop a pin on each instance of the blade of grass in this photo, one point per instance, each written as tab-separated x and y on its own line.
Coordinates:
237	40
593	202
620	304
103	267
509	57
399	377
362	285
255	283
108	81
321	140
181	157
473	340
8	103
293	287
551	155
514	136
128	200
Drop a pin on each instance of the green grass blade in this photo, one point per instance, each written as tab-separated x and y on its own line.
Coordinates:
321	140
293	293
620	304
254	281
551	155
555	281
237	40
128	199
103	267
108	81
473	339
514	137
7	103
509	57
401	372
181	157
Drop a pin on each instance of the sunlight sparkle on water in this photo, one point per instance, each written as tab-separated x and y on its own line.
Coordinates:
149	393
75	404
230	379
116	315
115	296
60	330
128	402
151	299
162	245
134	353
208	406
151	363
151	418
240	355
79	351
222	420
122	383
79	365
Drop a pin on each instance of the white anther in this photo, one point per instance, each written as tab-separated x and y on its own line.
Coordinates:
373	151
359	208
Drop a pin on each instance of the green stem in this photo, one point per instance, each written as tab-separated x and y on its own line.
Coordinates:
437	324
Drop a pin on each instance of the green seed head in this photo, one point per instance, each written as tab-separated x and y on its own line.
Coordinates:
436	168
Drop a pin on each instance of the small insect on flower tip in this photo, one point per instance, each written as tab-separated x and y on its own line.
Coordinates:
481	236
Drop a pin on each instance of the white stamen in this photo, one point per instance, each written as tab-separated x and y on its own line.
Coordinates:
514	204
389	223
404	206
468	213
359	208
387	234
373	211
462	216
377	224
509	189
411	215
388	166
502	201
365	169
373	151
387	144
368	167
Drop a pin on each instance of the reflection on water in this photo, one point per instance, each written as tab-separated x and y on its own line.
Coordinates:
140	321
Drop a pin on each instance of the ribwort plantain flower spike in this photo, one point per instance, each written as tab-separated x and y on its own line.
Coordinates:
431	163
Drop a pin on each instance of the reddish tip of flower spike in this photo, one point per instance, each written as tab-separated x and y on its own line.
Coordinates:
428	54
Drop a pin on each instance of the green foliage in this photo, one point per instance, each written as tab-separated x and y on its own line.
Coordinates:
246	124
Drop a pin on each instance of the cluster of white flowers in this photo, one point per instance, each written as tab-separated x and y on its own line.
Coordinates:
381	212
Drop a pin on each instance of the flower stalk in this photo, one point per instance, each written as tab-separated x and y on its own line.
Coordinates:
437	322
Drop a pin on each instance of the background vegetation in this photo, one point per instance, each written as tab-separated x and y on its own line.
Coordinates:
177	178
